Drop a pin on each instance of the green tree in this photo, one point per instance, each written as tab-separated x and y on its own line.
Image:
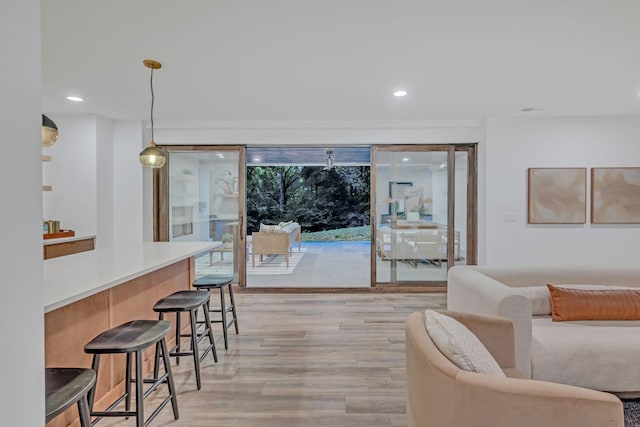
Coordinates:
318	199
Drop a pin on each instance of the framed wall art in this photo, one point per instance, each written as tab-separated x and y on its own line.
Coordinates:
557	196
615	195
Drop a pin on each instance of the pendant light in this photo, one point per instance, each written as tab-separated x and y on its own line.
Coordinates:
329	161
49	131
152	156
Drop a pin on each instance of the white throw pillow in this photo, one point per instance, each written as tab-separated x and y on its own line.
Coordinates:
460	345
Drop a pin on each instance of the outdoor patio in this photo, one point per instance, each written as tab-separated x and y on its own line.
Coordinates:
333	264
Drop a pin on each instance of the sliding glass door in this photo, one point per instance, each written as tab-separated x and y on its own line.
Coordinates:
423	211
201	198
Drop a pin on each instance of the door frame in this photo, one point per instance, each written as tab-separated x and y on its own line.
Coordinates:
472	205
161	197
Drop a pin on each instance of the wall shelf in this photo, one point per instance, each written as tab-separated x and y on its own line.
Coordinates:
46	188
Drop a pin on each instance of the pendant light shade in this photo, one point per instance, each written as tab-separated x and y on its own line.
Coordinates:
49	131
329	161
152	156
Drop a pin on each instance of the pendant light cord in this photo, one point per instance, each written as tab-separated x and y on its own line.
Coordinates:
152	99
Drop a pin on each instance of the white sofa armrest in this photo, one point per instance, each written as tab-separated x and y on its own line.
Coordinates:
471	291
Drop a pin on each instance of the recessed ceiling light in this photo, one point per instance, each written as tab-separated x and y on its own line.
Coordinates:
400	93
75	98
405	159
257	159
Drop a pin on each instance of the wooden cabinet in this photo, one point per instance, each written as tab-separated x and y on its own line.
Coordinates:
67	248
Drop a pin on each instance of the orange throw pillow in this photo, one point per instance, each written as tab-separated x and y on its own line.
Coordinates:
583	304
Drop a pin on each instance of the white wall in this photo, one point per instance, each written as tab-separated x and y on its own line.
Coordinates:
72	174
513	145
128	194
97	178
104	182
21	314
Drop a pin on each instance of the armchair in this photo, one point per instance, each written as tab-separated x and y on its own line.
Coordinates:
440	394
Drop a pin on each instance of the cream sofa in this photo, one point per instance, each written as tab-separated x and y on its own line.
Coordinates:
439	394
278	240
601	355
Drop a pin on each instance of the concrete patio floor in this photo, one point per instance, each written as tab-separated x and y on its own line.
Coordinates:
334	264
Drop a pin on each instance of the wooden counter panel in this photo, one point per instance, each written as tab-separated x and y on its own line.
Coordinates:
70	328
68	248
67	330
136	300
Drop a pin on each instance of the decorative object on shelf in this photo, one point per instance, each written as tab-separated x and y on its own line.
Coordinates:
615	195
152	156
49	132
557	196
329	162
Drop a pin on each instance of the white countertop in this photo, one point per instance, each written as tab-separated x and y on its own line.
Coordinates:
66	239
71	278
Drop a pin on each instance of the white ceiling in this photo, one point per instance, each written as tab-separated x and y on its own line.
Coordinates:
341	59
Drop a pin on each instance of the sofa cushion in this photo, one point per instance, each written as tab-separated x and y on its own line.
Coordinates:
460	345
589	304
596	354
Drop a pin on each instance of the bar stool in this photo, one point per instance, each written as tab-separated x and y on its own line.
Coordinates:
66	386
219	281
190	301
132	338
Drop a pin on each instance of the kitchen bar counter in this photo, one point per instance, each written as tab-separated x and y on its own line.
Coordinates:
89	292
74	277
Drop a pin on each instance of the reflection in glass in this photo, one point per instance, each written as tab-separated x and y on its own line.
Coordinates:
203	206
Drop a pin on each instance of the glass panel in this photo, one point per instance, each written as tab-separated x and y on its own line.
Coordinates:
462	175
203	206
411	216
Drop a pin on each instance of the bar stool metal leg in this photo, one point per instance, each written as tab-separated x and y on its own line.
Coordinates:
233	308
178	336
139	390
223	313
127	385
194	346
83	411
207	319
170	384
92	393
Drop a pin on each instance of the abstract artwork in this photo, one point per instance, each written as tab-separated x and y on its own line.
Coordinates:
557	196
615	195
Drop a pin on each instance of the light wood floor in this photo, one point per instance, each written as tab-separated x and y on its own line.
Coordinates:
302	360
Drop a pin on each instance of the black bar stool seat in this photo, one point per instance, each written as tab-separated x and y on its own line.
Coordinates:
132	338
66	386
182	301
129	337
219	281
188	301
